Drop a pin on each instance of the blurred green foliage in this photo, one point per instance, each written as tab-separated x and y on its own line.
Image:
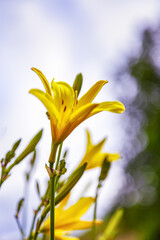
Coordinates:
141	194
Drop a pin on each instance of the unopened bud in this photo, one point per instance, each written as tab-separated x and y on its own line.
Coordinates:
77	85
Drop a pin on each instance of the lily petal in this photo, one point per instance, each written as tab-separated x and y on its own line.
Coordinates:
44	80
79	225
89	96
63	94
116	107
76	118
47	100
69	215
61	235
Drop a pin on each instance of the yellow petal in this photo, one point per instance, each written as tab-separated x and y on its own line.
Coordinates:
93	156
89	142
63	94
43	79
47	100
74	212
96	161
116	107
76	118
61	235
113	157
79	225
91	94
63	203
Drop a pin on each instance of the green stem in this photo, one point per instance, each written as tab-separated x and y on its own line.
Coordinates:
52	156
20	228
34	219
52	208
94	217
59	154
44	213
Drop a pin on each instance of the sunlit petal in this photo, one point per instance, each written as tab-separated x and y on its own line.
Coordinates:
44	80
91	94
79	225
76	118
46	99
80	208
115	107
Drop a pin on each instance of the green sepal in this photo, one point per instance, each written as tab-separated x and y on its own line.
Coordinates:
77	85
71	182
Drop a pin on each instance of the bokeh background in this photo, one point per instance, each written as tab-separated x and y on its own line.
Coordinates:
116	40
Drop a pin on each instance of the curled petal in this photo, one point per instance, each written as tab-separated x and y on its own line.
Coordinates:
43	79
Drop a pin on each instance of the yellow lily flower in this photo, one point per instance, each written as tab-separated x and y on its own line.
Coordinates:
94	156
68	220
65	110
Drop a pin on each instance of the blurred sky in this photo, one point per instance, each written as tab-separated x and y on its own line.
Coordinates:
62	38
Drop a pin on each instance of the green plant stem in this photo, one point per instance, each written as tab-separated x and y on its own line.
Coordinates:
52	206
59	154
44	213
94	216
34	219
20	228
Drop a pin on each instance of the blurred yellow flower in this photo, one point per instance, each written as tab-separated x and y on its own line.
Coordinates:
66	112
94	156
68	220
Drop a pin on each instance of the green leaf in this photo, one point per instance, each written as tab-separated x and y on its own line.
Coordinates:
77	85
71	182
112	227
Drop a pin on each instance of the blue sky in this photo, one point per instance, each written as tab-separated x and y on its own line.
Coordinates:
62	38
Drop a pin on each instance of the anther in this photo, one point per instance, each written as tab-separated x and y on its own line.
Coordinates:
62	101
64	109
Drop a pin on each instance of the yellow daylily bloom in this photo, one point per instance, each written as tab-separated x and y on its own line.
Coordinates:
68	220
94	156
65	110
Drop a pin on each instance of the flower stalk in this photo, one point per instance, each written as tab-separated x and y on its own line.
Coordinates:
52	208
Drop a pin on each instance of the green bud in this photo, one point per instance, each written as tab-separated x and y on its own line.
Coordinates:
71	182
9	156
15	146
19	206
77	85
62	169
27	176
38	188
104	170
30	148
47	113
65	154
